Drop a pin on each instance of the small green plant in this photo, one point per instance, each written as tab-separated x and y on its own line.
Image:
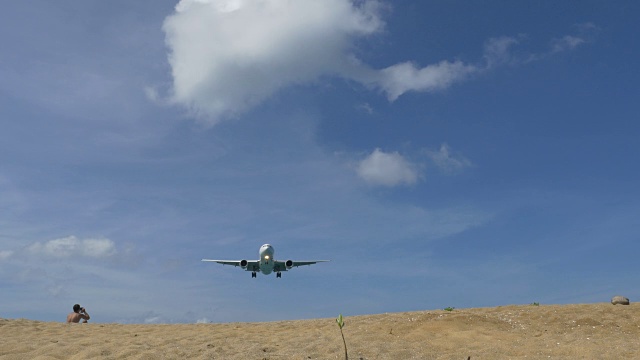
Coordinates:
535	304
449	308
340	322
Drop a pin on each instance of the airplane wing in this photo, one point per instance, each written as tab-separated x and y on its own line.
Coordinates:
282	265
252	265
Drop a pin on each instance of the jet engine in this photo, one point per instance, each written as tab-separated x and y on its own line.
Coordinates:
288	264
243	264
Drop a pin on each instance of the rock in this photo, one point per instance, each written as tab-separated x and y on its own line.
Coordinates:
619	300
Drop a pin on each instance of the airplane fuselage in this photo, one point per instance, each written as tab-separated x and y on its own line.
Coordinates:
266	259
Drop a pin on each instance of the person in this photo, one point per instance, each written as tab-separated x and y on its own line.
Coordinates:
79	313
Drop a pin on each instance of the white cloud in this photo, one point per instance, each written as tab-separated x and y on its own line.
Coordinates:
72	246
387	169
400	78
227	56
447	162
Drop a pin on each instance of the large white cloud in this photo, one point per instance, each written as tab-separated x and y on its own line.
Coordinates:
229	55
387	169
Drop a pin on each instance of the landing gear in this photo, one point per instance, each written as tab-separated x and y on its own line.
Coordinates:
278	274
253	274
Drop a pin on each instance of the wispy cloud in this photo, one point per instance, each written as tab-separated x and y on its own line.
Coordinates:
72	246
501	50
63	248
585	33
497	51
401	78
566	43
447	162
5	254
365	107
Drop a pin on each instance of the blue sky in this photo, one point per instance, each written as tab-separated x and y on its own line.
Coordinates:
439	153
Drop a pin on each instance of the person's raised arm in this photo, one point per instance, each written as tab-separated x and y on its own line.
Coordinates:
84	314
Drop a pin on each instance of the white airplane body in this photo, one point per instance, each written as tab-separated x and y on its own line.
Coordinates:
266	264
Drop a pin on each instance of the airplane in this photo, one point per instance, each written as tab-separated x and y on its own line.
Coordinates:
266	264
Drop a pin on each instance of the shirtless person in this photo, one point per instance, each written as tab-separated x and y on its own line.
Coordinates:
78	314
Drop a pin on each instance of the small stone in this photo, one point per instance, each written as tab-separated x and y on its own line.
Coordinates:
619	300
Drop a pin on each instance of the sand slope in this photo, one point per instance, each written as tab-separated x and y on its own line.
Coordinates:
592	331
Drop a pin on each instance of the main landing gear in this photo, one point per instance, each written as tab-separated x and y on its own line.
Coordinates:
253	274
278	274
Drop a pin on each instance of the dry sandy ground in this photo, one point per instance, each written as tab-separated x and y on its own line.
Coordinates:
592	331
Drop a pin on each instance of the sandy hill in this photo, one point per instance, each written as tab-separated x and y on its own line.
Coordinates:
591	331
